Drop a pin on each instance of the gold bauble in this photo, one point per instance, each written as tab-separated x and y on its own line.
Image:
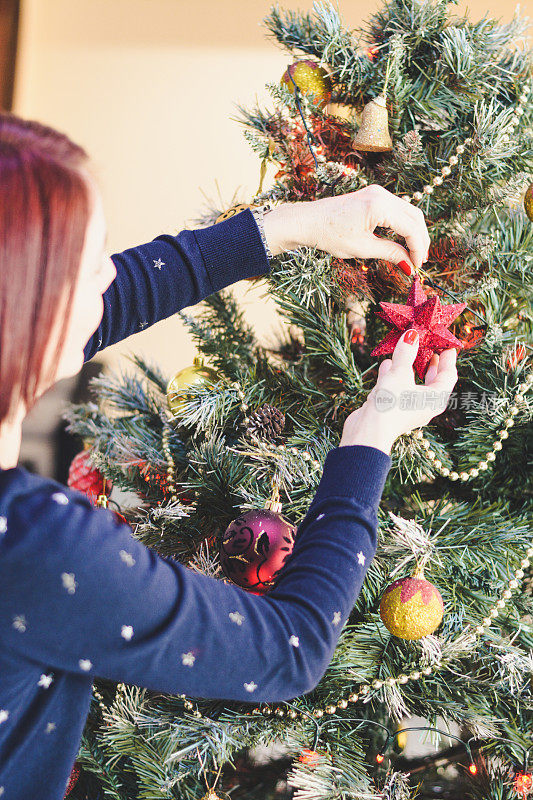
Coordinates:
373	134
528	201
411	607
194	375
341	111
310	78
401	735
233	210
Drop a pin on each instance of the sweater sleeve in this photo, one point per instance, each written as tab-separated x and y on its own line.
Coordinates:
80	593
158	279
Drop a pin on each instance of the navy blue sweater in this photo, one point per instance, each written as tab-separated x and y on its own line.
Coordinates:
82	598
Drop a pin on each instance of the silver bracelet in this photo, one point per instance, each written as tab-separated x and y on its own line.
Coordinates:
259	212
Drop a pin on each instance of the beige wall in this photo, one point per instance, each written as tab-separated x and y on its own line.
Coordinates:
148	87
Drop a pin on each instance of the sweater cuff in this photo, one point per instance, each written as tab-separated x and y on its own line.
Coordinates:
232	250
357	471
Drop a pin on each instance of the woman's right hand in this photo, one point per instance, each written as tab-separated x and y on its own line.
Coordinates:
397	404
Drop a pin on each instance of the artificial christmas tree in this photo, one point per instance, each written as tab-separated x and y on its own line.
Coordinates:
458	499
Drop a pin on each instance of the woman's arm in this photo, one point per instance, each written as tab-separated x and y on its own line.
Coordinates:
95	601
158	279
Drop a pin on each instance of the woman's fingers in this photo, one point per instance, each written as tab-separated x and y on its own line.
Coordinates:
384	367
431	372
409	222
378	247
446	377
405	352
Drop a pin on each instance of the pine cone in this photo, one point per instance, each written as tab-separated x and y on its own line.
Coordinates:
266	422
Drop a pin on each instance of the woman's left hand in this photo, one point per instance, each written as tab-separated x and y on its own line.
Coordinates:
344	226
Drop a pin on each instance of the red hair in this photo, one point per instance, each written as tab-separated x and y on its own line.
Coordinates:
44	214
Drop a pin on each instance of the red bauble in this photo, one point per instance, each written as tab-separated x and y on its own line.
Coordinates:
86	478
427	316
73	779
254	548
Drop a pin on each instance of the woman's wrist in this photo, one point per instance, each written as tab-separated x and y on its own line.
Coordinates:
367	429
285	227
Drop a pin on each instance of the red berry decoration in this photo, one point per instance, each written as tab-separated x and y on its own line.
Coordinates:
73	779
523	784
427	316
307	756
86	478
255	547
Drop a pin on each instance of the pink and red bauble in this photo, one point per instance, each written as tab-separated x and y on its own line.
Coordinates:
255	547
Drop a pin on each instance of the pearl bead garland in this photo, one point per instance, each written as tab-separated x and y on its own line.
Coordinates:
490	456
437	180
453	160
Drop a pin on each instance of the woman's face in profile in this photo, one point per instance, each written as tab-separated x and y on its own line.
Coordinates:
97	271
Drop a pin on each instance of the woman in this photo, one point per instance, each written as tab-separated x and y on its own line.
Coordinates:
81	597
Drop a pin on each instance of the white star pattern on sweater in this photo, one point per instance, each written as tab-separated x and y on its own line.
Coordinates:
3	524
361	557
127	558
235	616
45	681
68	582
250	686
50	727
294	641
1	791
126	632
100	342
60	498
143	324
19	622
320	516
158	264
85	664
4	714
188	659
336	617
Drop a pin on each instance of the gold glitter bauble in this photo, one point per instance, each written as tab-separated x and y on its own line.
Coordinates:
341	111
528	201
411	607
373	134
189	376
310	78
233	210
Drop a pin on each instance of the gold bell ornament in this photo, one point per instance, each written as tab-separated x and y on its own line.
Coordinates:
373	134
197	373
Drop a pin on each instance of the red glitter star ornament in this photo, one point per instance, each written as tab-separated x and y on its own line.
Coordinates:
427	316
